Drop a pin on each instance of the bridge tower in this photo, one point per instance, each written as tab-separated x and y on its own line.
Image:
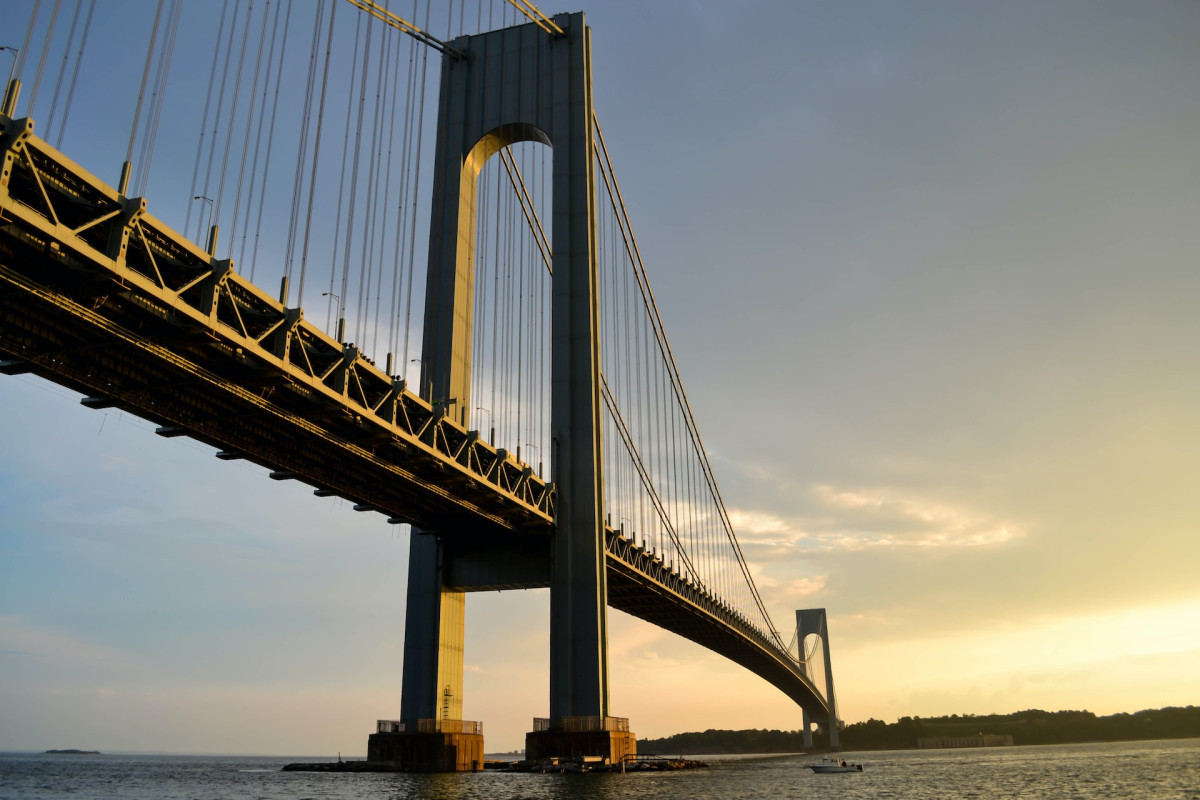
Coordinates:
497	89
813	621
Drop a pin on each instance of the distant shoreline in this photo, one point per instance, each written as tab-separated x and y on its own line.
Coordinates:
1032	727
71	752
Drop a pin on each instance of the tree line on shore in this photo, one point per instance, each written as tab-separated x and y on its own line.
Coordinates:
1026	727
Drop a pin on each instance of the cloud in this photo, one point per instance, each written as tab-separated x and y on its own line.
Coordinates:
803	587
764	530
756	522
854	520
880	518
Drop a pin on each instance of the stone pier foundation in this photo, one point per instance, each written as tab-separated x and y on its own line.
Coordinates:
604	740
427	749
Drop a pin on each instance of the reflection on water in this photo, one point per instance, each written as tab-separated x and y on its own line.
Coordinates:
1147	770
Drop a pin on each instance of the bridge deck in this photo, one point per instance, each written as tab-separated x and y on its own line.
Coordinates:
98	295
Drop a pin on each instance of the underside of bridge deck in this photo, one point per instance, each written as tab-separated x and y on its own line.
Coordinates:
98	296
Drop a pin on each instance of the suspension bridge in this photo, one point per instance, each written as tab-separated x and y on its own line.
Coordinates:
547	440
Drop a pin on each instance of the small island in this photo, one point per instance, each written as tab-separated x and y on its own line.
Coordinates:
72	752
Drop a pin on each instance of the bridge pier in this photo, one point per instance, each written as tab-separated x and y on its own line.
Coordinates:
431	735
606	740
429	747
434	633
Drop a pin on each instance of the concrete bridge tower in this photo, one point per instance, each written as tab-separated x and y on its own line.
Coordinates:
513	85
813	621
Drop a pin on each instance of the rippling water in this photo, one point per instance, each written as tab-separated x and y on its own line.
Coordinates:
1145	770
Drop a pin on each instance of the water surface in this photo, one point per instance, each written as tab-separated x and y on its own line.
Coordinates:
1145	770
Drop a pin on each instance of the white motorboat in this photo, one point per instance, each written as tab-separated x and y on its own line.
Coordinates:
828	764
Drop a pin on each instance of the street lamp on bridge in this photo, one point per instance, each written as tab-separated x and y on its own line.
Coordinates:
491	428
9	107
535	447
208	200
341	319
12	71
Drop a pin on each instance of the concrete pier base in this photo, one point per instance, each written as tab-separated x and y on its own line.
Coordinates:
601	746
426	751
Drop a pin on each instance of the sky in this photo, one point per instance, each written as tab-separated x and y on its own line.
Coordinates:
930	275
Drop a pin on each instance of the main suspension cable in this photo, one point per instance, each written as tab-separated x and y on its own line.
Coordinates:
673	374
541	20
406	27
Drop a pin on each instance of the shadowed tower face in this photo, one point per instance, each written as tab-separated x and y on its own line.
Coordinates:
514	85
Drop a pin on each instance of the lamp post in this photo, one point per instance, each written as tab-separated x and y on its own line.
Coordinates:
341	320
426	394
491	429
10	89
209	200
13	69
533	446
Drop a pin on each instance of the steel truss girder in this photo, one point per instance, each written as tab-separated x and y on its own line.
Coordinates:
98	295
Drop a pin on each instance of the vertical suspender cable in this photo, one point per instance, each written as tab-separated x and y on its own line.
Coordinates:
388	77
24	51
483	371
137	112
260	54
206	190
354	171
212	79
266	56
62	70
234	101
506	329
312	183
342	178
158	95
368	321
544	336
518	330
378	183
403	268
495	364
87	26
270	132
412	239
681	396
305	119
37	79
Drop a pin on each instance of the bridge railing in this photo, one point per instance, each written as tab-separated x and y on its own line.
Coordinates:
582	724
430	726
651	565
